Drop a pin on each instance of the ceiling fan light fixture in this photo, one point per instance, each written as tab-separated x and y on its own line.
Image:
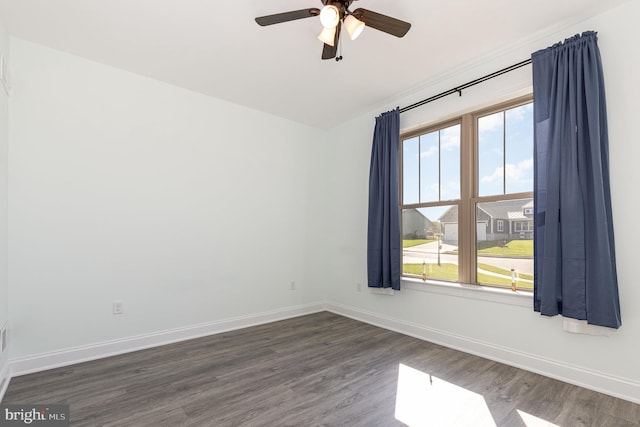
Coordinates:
328	36
329	16
354	26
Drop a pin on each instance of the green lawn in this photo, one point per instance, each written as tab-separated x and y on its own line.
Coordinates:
499	270
513	248
415	242
442	272
502	281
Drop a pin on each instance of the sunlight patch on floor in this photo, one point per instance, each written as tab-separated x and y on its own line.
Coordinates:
424	400
533	421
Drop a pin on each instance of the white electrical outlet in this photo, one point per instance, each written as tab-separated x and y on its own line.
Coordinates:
292	285
118	307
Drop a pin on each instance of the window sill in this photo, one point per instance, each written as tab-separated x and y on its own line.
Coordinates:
477	292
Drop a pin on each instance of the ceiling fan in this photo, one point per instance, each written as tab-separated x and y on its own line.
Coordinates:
335	14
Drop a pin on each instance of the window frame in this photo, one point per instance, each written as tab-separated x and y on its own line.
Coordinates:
469	187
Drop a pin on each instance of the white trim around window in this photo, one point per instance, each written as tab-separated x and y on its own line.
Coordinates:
477	292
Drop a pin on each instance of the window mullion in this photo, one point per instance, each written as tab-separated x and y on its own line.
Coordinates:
504	153
466	224
439	166
419	169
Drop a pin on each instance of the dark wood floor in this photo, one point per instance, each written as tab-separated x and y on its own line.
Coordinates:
320	369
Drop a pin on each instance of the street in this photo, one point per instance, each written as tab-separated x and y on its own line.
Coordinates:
428	252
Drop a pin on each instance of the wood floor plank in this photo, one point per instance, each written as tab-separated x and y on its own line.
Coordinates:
320	369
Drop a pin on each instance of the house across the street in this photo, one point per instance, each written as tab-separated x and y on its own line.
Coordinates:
502	220
417	226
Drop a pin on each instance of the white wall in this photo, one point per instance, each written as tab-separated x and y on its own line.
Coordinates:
186	208
4	131
517	329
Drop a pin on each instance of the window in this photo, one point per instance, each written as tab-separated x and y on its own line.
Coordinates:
523	226
430	198
467	198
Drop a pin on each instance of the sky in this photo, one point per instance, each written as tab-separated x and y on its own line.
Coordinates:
505	143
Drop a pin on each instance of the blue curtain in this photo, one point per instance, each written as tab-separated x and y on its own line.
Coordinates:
575	262
383	238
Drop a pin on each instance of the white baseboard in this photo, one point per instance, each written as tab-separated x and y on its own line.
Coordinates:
607	384
41	362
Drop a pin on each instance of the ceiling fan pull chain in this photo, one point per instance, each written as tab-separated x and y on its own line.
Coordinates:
339	57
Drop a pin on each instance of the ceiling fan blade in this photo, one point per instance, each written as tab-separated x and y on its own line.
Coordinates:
329	51
382	22
287	16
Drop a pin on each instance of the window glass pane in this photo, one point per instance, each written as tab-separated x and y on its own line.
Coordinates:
450	163
430	242
519	149
410	165
499	251
429	168
491	154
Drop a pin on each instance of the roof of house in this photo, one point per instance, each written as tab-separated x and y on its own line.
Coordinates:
507	209
451	215
517	215
415	212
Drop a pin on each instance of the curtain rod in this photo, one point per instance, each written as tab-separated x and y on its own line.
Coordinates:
460	88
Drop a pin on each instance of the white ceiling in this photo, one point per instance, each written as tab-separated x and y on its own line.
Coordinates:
216	48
